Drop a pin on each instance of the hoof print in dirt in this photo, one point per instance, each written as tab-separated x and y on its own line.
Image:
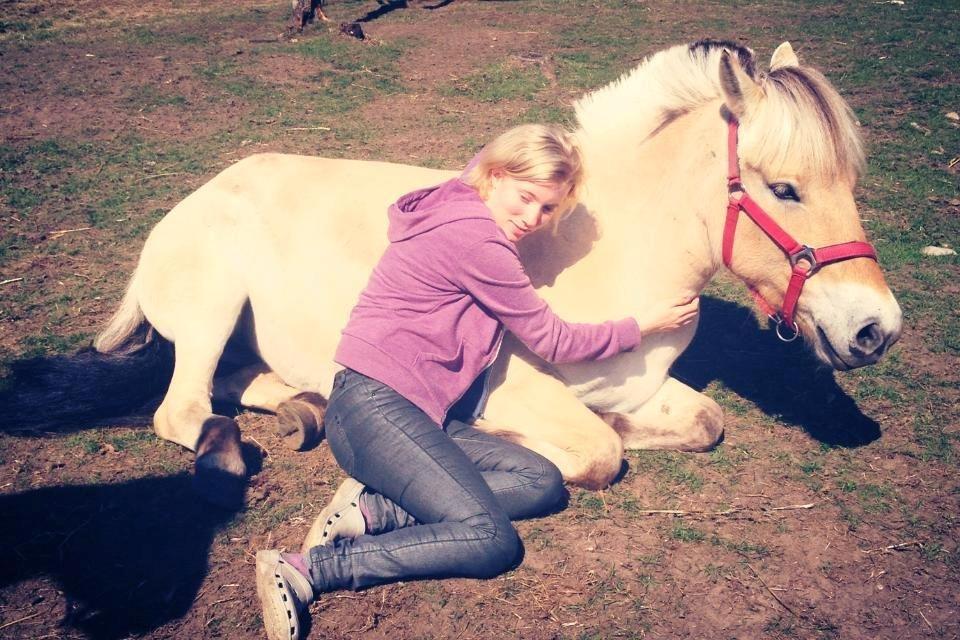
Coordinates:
352	29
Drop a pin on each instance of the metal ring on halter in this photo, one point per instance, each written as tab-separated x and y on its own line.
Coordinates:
805	253
780	322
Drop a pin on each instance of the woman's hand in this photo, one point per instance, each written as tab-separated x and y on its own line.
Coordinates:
669	315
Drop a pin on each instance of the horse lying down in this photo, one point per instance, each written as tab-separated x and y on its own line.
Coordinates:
274	250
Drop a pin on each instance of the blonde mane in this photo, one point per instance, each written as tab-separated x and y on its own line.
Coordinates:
802	121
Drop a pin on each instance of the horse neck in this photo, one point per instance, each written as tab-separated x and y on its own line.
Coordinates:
660	203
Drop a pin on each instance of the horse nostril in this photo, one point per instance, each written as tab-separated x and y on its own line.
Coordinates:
870	339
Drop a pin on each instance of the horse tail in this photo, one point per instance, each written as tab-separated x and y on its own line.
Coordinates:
119	377
124	331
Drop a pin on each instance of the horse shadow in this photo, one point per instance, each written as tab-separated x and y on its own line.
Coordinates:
128	557
783	379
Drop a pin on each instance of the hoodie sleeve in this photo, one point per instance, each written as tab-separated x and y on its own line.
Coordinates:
491	272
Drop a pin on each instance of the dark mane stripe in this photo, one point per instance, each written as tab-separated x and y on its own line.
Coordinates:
744	55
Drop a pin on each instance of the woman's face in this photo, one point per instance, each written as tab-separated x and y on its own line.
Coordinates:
520	206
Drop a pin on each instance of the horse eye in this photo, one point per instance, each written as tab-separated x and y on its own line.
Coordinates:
784	191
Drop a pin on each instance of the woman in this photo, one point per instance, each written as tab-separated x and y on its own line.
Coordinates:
429	322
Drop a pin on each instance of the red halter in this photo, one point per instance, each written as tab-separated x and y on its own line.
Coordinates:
804	261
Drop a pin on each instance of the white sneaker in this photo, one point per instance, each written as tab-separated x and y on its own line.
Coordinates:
284	593
341	518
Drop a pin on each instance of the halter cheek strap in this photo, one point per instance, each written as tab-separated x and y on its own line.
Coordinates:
804	261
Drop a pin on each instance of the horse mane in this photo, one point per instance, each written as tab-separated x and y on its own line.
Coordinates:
803	118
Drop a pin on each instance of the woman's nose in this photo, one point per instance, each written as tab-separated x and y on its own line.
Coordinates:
531	217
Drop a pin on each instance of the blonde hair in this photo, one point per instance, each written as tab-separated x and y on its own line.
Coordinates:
533	153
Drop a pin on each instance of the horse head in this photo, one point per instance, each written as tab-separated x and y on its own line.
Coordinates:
793	165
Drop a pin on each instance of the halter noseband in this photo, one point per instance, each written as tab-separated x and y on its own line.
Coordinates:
804	261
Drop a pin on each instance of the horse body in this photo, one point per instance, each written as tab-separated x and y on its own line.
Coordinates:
277	248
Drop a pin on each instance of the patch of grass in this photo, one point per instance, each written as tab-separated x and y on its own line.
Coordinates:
147	98
132	441
875	498
671	469
811	467
27	30
86	443
588	503
742	547
51	343
686	533
351	73
728	399
556	114
142	36
499	82
846	485
932	551
936	443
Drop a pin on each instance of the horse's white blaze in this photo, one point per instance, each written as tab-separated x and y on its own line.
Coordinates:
286	243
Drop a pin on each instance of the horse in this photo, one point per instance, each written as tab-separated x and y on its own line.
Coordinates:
271	254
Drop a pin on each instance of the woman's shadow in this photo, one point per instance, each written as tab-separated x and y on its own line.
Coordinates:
129	557
783	379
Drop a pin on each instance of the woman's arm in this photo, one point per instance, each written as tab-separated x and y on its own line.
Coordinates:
491	272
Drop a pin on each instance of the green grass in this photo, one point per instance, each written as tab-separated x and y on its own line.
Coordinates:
52	342
741	547
588	503
671	470
686	533
499	82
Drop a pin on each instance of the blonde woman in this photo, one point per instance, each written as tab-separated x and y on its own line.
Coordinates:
430	496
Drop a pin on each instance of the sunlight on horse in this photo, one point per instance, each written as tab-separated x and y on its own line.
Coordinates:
275	250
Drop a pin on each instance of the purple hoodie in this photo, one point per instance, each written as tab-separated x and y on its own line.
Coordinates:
432	316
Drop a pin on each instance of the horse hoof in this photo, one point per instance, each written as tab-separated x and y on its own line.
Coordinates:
300	420
220	475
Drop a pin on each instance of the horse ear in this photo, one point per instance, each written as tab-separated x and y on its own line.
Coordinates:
784	56
739	89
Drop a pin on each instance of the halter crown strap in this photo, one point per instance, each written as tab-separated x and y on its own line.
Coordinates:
804	260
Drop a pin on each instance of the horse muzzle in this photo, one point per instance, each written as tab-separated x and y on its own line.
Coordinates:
863	344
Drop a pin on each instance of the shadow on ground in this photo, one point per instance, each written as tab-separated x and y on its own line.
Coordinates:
784	380
129	557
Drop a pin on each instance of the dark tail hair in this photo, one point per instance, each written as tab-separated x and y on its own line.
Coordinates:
128	366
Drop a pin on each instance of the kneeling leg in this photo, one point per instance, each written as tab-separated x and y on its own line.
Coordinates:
299	413
675	417
538	411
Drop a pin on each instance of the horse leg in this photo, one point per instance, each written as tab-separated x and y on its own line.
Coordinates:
299	413
675	417
185	416
539	412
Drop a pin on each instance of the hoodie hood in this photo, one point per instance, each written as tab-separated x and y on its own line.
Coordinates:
425	209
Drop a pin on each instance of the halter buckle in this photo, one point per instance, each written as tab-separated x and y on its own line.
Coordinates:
807	254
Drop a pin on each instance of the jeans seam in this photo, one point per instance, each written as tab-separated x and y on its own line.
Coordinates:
469	492
543	472
416	544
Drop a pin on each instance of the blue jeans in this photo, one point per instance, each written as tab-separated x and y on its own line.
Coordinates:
440	500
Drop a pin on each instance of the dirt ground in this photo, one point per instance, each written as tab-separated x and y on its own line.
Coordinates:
829	512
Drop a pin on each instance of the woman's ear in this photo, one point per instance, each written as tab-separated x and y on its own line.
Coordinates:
496	175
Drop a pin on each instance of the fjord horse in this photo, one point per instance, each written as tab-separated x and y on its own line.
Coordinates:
274	251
